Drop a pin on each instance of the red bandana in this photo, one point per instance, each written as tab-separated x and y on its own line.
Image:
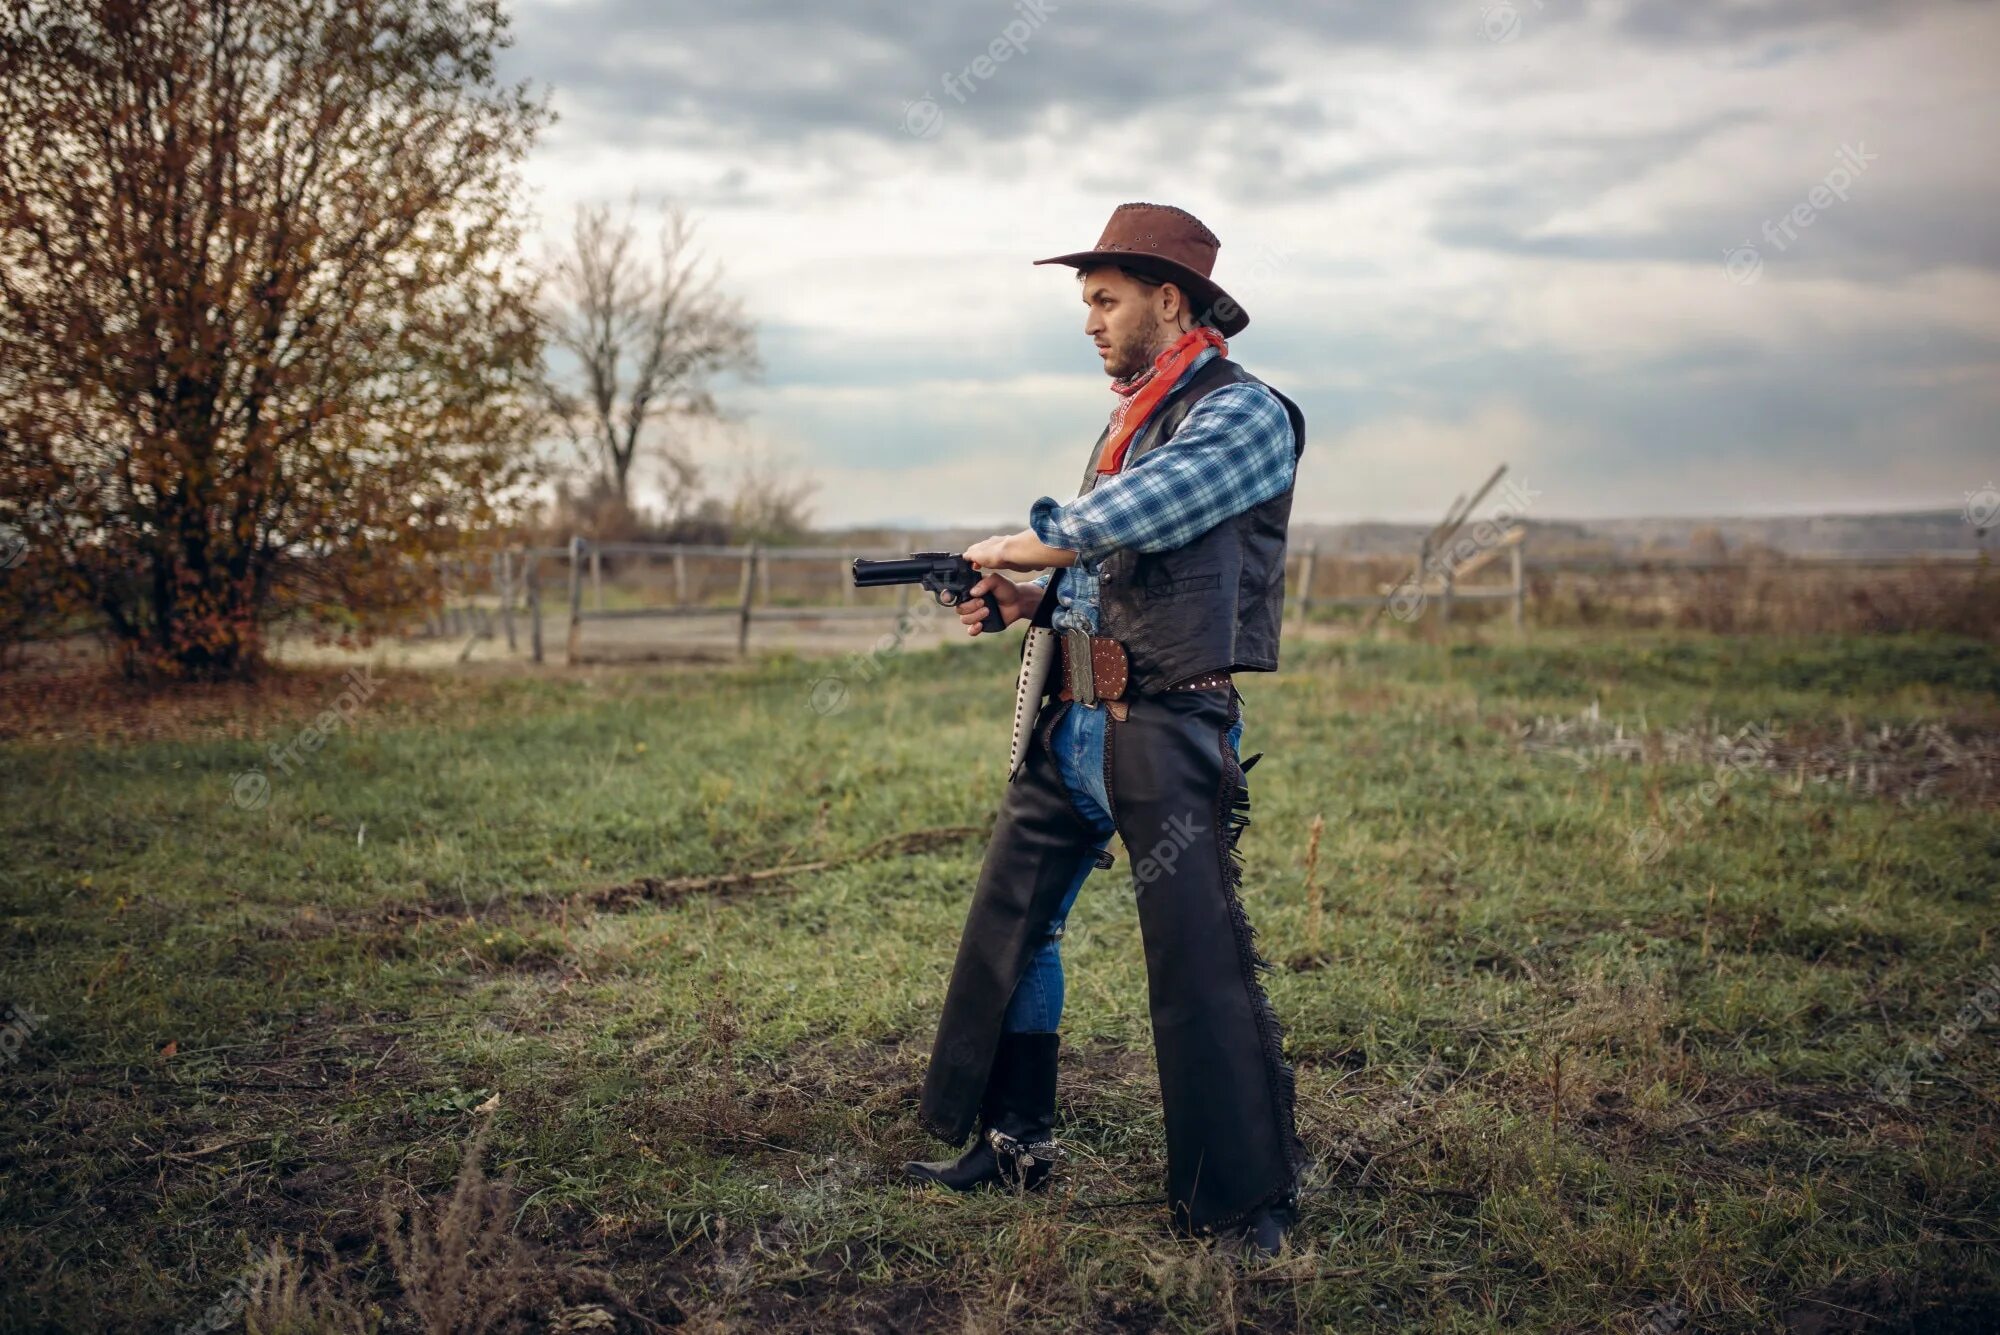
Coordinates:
1138	396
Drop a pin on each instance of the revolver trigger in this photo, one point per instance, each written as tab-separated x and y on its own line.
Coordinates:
1104	858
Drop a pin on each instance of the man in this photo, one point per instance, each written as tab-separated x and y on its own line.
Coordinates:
1167	576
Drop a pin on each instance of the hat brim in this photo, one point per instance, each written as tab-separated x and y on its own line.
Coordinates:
1214	305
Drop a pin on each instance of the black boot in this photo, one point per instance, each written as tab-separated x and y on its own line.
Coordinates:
1014	1147
1262	1235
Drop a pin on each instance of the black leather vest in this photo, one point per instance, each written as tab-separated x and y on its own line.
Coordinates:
1215	604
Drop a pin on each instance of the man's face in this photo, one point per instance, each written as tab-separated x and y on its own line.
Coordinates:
1130	322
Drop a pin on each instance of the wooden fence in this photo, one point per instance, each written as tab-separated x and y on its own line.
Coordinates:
520	584
524	583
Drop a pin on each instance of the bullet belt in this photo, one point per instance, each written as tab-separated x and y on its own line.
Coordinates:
1095	667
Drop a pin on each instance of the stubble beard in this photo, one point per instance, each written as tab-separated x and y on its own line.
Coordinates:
1135	354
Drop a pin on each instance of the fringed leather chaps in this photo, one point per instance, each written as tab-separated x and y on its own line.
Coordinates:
1029	862
1180	802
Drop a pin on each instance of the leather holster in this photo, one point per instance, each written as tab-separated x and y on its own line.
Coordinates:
1094	667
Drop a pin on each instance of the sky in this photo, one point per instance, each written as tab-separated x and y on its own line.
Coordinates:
1661	257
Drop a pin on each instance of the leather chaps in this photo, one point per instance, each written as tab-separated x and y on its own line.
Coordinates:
1180	803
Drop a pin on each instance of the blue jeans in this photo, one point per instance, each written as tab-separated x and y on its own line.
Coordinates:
1078	746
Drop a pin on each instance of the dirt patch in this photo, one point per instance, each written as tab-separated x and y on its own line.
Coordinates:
1884	1305
380	923
271	1132
87	703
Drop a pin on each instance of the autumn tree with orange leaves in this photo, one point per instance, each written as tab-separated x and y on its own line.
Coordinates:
264	348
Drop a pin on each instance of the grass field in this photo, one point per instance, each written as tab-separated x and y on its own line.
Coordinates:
1632	986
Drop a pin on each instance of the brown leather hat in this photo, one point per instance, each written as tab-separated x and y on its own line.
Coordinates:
1168	243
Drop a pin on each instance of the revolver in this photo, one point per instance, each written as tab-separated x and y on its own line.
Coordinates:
947	576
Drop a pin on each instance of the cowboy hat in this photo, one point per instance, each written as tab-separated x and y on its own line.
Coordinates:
1170	244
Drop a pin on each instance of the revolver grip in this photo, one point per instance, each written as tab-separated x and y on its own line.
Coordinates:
954	588
994	622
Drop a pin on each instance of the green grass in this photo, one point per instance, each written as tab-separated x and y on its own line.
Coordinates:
1551	1086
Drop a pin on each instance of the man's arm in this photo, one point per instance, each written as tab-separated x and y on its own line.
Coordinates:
1018	551
1233	451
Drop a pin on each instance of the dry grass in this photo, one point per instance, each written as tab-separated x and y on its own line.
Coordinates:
1550	1087
1774	598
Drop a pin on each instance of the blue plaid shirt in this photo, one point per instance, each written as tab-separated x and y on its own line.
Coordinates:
1232	451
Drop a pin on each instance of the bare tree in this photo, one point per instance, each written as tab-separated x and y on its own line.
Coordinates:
648	336
769	499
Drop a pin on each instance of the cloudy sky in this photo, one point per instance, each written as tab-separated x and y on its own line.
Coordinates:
1661	256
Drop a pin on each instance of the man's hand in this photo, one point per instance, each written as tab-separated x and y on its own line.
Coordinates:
1015	601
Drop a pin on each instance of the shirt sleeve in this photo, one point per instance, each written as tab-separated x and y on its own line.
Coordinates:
1233	451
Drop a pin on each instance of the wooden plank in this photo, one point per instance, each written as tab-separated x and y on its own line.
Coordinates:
575	597
531	571
1520	571
749	587
1480	560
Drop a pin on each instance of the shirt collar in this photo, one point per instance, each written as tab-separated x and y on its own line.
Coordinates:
1207	355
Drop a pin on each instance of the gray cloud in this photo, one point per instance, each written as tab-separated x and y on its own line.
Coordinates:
773	101
782	70
775	70
1740	20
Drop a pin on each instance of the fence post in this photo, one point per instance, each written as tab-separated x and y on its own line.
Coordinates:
531	573
478	616
596	580
764	579
845	578
744	596
575	597
434	617
1423	590
1444	596
1306	579
680	578
504	560
1519	561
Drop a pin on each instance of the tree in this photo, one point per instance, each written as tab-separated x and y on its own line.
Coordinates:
263	352
769	500
647	336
